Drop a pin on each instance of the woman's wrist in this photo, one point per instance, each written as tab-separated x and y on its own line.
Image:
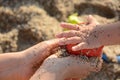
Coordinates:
9	61
35	55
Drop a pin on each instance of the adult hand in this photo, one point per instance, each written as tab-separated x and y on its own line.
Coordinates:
66	68
22	65
34	56
86	37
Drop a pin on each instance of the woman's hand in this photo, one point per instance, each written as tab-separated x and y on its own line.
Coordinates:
22	65
86	37
35	55
66	68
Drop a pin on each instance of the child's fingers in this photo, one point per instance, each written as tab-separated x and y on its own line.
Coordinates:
67	34
72	40
84	45
70	26
91	20
80	46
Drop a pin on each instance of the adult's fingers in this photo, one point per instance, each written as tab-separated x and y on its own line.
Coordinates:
52	43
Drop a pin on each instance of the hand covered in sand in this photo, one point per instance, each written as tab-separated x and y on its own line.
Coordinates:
35	55
86	36
22	65
65	68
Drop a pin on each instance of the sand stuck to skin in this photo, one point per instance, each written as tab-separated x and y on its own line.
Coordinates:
24	23
62	65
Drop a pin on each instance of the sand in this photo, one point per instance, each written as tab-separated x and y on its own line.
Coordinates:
24	23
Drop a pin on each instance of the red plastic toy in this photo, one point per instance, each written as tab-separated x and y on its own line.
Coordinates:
96	52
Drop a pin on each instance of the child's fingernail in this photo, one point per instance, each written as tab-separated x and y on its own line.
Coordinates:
58	36
74	48
90	15
62	22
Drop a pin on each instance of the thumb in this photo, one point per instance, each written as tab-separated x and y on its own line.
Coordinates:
91	20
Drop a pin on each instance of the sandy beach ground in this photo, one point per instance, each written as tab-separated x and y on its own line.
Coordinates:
24	23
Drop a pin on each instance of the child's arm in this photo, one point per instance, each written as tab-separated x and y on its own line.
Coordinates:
91	35
109	34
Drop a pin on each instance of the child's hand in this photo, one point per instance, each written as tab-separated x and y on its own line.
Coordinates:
86	37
